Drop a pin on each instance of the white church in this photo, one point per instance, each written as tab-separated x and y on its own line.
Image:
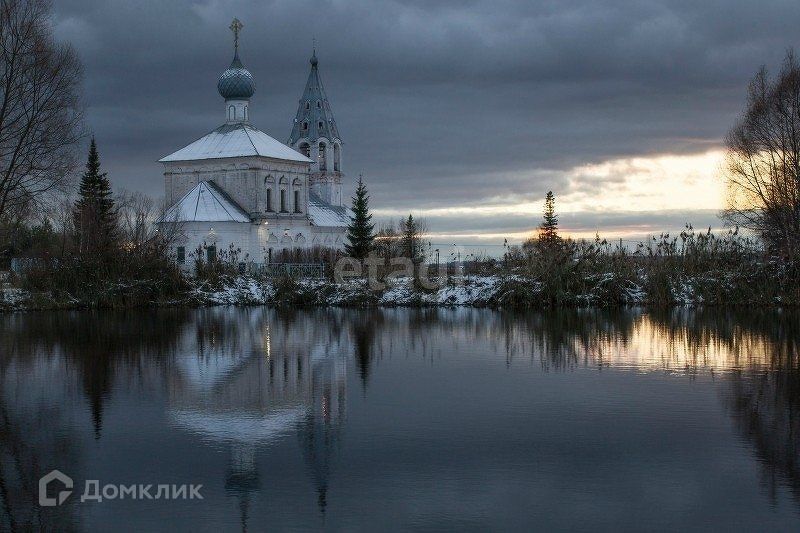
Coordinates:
237	186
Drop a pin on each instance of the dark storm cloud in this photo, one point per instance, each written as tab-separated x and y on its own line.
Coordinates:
439	103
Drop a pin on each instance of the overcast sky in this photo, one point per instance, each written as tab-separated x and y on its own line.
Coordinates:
464	111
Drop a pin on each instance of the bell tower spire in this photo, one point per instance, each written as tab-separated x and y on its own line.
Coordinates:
315	135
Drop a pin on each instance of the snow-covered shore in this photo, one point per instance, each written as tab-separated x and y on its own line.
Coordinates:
478	291
496	291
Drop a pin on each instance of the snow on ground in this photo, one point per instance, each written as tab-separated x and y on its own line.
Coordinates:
12	298
479	291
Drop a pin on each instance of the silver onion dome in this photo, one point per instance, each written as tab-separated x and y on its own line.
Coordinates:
236	83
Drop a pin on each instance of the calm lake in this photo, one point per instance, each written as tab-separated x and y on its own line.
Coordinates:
403	419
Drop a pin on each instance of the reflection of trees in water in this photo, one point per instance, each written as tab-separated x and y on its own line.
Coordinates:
757	351
763	395
566	339
46	352
320	431
761	390
730	339
96	345
766	410
102	351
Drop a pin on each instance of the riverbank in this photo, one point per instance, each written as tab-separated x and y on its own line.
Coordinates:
494	291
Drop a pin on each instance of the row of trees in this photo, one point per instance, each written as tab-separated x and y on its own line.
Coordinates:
389	241
41	126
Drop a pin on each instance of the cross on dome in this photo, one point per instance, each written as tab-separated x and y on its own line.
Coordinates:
236	83
236	26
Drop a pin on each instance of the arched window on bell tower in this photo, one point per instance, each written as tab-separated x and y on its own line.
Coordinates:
305	149
337	157
323	162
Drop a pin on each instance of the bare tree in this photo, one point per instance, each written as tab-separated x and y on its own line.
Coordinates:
143	226
40	109
763	160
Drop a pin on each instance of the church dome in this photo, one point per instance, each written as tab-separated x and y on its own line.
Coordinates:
236	83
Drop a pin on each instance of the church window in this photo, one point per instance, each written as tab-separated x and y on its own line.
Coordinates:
308	105
283	201
305	149
231	112
181	251
337	156
269	199
321	124
211	254
319	104
305	126
297	202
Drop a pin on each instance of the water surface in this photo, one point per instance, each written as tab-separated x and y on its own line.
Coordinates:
405	419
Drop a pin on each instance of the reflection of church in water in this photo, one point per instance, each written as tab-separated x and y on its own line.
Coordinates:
248	399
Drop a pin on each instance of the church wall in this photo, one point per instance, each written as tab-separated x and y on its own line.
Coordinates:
255	239
242	178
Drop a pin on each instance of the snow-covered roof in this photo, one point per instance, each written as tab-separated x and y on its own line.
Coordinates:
235	140
206	203
324	214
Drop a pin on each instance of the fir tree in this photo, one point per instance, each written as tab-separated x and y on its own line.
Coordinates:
95	215
360	230
410	241
548	230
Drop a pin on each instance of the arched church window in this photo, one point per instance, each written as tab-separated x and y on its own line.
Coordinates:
322	159
296	183
231	112
305	126
319	104
305	149
283	185
269	200
308	106
321	124
337	156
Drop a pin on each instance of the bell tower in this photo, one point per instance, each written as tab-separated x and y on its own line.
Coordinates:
315	135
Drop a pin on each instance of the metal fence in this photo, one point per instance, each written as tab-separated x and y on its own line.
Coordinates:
293	270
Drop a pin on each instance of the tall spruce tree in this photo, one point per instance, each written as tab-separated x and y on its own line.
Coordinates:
548	230
411	243
360	230
95	214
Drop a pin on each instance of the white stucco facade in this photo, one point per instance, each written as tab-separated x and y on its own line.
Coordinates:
238	188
